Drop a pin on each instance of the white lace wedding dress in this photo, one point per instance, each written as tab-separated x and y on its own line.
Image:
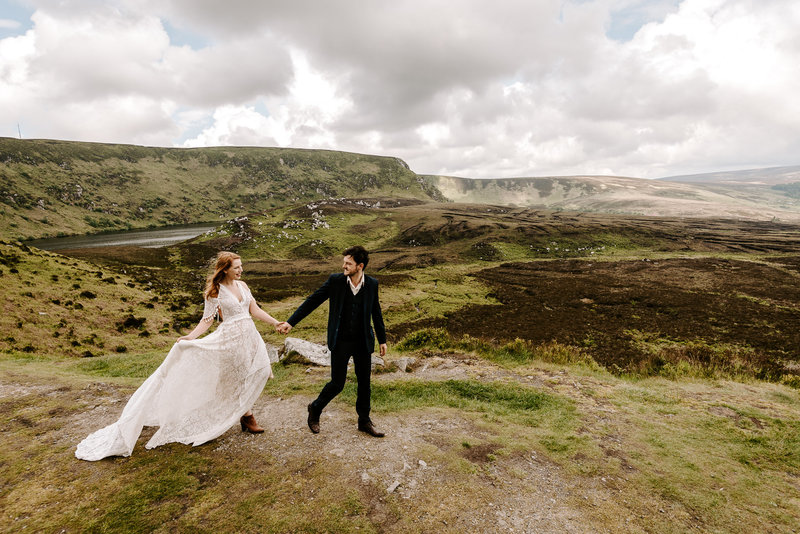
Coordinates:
200	390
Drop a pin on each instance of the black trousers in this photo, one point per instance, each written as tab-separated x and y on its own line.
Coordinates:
362	363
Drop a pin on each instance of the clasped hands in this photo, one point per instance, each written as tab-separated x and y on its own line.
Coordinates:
283	327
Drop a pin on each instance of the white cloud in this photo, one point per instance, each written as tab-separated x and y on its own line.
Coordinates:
303	118
9	24
237	125
626	87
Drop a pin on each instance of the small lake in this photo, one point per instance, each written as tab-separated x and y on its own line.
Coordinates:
148	238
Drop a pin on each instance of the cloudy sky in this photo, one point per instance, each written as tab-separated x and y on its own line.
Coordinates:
473	88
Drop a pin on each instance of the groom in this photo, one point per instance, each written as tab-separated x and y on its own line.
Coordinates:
353	303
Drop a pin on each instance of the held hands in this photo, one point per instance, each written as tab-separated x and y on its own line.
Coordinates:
283	328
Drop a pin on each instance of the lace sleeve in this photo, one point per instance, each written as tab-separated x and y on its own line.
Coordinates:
246	294
211	309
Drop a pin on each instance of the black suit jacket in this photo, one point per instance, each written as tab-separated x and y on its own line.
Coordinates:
334	289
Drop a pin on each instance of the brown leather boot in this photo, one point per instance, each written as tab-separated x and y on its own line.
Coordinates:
313	419
249	424
370	429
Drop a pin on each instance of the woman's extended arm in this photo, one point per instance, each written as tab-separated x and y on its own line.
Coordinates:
199	330
258	313
210	310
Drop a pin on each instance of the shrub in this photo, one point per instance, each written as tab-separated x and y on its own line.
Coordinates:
793	381
474	344
555	352
437	338
131	322
518	350
701	359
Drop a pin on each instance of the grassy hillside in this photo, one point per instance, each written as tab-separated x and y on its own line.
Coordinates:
55	306
50	188
611	194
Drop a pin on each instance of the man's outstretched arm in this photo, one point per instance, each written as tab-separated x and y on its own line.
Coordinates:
309	305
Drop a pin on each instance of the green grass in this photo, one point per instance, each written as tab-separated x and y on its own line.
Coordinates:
175	489
723	462
700	359
65	306
114	365
495	398
432	293
516	352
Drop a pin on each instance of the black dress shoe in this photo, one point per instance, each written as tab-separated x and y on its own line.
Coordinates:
370	429
313	420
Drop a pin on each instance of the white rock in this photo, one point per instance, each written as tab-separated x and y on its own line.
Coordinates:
272	351
312	352
393	486
403	363
315	353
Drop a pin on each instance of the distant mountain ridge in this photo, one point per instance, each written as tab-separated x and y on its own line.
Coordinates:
50	188
623	195
766	176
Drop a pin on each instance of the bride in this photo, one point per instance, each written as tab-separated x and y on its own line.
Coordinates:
203	385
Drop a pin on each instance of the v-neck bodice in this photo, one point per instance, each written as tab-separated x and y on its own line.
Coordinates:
239	287
227	302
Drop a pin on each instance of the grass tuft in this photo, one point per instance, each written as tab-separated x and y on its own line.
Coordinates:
518	351
672	359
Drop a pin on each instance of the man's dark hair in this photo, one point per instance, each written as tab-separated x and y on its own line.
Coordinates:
359	254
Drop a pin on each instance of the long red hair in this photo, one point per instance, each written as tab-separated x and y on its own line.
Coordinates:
223	263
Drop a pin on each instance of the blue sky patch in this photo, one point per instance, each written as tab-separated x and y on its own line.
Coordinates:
15	18
183	37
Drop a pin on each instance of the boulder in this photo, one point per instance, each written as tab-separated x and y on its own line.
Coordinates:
311	352
272	351
403	364
314	353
